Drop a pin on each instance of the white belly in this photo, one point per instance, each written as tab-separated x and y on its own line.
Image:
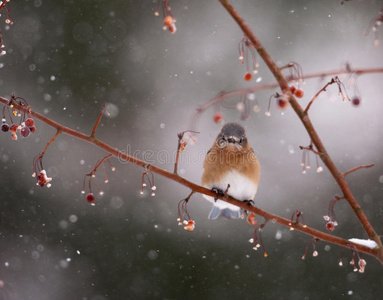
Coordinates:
241	188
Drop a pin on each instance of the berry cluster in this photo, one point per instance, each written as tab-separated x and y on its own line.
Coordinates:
361	262
39	172
330	218
306	158
4	4
282	100
43	179
189	225
169	24
25	128
257	235
296	76
374	24
90	196
26	124
169	20
146	173
183	216
247	56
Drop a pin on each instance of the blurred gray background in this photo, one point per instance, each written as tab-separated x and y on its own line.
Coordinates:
68	57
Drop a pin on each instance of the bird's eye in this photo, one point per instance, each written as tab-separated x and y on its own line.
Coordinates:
221	143
242	141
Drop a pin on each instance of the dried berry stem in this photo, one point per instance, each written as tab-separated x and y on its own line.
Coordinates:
100	162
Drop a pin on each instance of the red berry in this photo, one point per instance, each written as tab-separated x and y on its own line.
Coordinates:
356	101
29	122
299	93
251	219
25	131
172	28
168	21
330	226
13	128
14	136
4	127
90	197
282	103
247	76
293	89
32	129
218	118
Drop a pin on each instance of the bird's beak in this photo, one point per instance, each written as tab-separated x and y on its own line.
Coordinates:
233	139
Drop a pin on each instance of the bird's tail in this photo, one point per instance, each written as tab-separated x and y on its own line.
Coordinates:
225	212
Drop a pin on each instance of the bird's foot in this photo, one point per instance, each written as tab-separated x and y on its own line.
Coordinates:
218	192
249	202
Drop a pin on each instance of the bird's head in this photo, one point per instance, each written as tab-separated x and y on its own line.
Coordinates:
232	135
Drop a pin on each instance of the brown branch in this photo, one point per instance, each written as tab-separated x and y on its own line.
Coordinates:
199	189
356	168
245	91
303	116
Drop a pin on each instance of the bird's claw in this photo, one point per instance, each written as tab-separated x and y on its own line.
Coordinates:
218	193
249	202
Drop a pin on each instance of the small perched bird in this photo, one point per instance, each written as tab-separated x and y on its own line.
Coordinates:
230	167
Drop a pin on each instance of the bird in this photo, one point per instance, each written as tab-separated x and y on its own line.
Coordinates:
230	167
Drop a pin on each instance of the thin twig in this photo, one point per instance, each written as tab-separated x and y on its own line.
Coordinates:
357	168
180	136
98	120
181	146
309	148
50	142
317	94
